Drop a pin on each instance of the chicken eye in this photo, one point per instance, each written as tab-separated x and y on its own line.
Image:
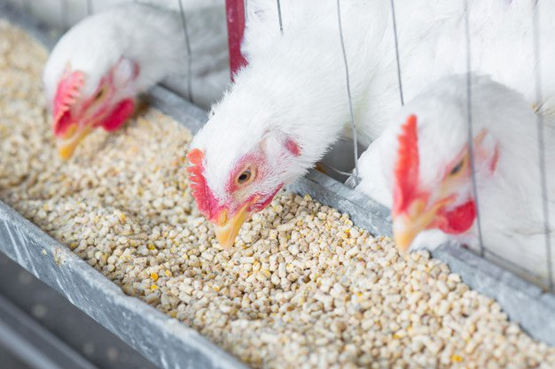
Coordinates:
457	168
246	176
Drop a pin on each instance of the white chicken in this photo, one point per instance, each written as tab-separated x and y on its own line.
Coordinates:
420	168
289	105
60	14
98	68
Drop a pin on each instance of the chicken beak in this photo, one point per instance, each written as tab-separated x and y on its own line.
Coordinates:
227	229
70	140
408	225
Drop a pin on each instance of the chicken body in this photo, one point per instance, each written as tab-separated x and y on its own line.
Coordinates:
432	201
109	58
432	45
293	91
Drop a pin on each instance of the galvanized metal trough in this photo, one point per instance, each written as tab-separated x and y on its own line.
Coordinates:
169	343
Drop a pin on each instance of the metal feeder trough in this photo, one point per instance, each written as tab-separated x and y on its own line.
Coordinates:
171	344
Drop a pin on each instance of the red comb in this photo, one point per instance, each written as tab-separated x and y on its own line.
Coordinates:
406	167
206	202
68	91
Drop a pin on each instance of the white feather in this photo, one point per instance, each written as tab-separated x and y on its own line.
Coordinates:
151	37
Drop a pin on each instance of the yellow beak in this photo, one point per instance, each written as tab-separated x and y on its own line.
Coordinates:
71	139
227	229
408	225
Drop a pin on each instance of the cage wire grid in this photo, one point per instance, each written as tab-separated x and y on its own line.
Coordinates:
548	285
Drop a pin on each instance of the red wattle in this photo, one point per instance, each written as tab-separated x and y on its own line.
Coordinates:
460	219
119	115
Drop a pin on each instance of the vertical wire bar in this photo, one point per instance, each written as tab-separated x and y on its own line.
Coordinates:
26	5
400	81
64	15
189	53
90	9
349	97
279	16
246	11
541	141
469	120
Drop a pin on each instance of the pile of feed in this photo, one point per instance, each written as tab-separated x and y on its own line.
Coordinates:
303	288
